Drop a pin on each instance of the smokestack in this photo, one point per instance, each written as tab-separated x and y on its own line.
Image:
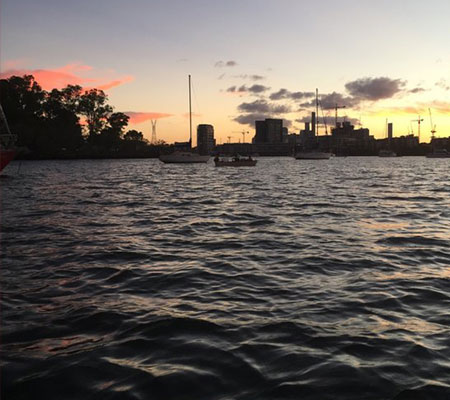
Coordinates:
390	131
307	126
313	121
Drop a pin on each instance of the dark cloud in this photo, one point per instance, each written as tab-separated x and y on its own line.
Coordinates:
258	110
301	95
251	77
258	88
287	123
257	77
286	94
329	101
374	88
254	89
281	94
416	90
220	64
330	120
443	84
262	106
249	119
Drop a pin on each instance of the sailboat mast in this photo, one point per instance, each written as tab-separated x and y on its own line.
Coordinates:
4	122
317	113
190	115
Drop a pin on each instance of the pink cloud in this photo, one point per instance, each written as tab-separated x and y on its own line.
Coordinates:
70	74
140	117
117	82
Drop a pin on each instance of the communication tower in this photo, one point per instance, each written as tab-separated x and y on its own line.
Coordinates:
154	130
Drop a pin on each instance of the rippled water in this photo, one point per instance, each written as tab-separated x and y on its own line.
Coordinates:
131	279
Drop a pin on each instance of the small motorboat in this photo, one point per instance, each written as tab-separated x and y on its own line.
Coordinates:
236	161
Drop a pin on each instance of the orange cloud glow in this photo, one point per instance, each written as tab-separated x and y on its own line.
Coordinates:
186	115
419	109
70	74
115	83
140	117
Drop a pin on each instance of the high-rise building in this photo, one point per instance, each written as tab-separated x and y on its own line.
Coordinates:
269	131
390	131
205	139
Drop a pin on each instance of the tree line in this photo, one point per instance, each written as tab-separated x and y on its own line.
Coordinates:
68	123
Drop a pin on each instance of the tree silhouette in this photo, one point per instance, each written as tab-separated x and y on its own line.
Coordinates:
93	105
68	122
134	135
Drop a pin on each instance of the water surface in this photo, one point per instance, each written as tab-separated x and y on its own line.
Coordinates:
132	279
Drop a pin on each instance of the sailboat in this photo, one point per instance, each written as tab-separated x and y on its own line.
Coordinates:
185	157
314	154
438	153
7	142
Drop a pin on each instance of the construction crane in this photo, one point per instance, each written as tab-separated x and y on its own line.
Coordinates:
243	133
324	120
418	127
336	107
433	127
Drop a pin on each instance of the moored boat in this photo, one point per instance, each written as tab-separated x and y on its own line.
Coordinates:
439	153
313	155
234	162
313	152
185	157
7	142
387	153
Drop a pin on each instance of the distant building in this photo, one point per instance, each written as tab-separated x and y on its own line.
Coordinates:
307	137
182	146
205	139
346	140
284	134
268	131
390	131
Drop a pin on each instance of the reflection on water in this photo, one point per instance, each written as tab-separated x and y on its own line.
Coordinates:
134	279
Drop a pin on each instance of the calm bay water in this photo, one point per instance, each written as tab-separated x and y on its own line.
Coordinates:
131	279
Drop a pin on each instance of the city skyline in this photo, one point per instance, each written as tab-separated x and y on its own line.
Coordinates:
249	60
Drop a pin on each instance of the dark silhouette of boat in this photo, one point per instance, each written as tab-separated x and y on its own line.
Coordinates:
387	153
7	142
439	153
236	161
314	154
185	157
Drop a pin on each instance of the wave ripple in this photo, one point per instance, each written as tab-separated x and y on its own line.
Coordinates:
128	279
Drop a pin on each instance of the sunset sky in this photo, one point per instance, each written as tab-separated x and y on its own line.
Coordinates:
249	59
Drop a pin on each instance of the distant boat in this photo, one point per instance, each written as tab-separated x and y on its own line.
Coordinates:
7	142
185	157
237	161
439	153
387	153
314	154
